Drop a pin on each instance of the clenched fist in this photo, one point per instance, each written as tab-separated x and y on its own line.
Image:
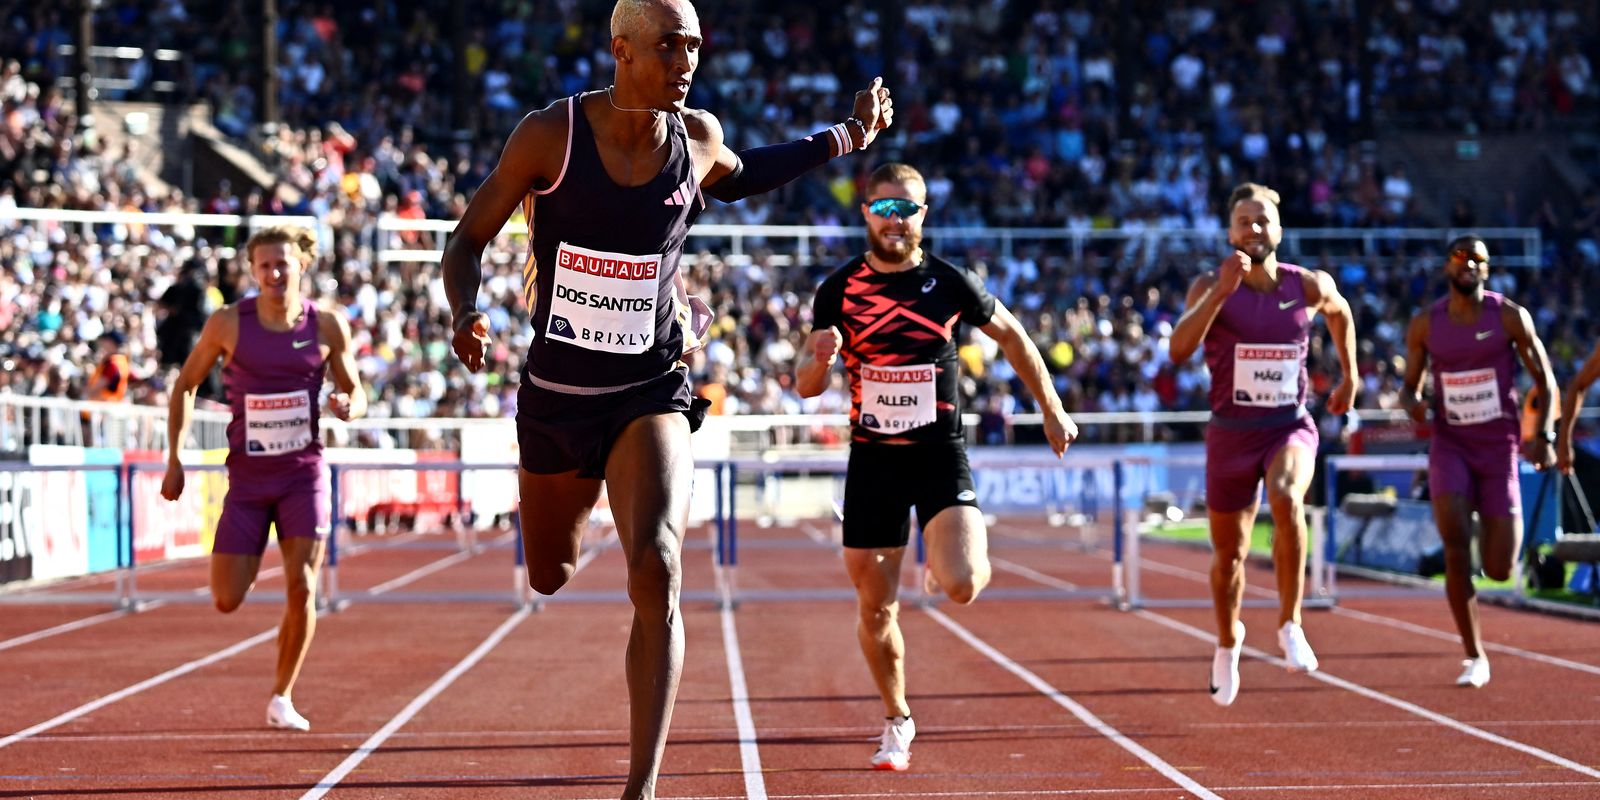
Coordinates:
825	345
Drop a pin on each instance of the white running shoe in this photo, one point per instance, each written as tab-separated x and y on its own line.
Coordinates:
1474	672
1296	651
281	715
1225	669
894	751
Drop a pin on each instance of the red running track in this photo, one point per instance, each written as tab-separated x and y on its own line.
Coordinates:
1014	698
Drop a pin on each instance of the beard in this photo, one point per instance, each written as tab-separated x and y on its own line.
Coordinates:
894	252
1259	252
1466	285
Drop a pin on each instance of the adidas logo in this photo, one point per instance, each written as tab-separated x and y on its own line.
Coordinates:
680	196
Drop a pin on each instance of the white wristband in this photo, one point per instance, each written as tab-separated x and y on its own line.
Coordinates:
841	136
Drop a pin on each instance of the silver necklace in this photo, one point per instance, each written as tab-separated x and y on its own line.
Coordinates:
653	112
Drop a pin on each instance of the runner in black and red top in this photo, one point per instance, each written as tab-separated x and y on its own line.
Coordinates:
610	182
893	314
1470	340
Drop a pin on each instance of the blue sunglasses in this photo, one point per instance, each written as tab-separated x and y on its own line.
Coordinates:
889	206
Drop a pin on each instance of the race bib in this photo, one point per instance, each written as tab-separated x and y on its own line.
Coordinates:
275	424
1470	397
1266	375
897	399
604	301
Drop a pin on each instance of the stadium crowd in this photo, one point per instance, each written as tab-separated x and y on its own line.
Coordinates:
1066	115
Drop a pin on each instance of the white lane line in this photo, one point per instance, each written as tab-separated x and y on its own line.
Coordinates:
755	781
422	572
417	703
65	627
1154	761
1373	694
1451	636
755	784
152	682
851	731
1378	619
1031	574
376	740
266	574
899	795
179	671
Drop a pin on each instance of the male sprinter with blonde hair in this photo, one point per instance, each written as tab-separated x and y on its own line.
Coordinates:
893	313
275	347
610	182
1253	315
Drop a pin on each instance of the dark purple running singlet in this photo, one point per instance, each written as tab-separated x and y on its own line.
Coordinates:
1256	351
1474	398
272	383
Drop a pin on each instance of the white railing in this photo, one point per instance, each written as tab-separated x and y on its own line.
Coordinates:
47	420
1302	243
78	423
84	220
785	245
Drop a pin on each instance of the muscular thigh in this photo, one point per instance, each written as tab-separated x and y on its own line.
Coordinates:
1290	469
875	572
957	537
554	512
302	558
649	475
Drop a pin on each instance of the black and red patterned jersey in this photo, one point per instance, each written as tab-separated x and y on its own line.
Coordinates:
899	345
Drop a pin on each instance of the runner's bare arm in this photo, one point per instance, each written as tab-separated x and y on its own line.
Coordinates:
1335	309
1024	357
1534	358
1416	363
349	400
217	340
734	176
1571	404
816	360
532	155
1199	311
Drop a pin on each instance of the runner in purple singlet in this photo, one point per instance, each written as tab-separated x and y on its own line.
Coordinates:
1468	341
1253	316
276	347
1571	404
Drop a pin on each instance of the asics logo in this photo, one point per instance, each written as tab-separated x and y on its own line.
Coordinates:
966	495
298	345
928	287
1283	306
1484	335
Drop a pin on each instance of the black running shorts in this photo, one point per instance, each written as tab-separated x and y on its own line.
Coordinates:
559	432
886	481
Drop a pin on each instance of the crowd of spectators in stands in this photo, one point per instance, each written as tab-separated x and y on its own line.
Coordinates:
1066	115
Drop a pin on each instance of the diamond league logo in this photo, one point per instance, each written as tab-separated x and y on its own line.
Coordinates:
561	327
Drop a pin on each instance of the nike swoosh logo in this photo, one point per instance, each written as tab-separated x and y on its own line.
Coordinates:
1484	335
298	345
1286	304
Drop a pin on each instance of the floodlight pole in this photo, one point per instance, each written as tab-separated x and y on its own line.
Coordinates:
83	64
